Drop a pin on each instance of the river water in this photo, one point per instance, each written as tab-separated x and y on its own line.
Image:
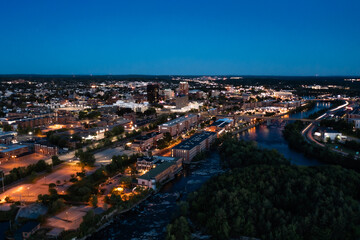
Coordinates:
269	135
149	219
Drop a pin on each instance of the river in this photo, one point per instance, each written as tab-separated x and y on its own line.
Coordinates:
270	136
149	219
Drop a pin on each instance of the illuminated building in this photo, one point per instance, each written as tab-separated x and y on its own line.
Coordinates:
152	93
198	143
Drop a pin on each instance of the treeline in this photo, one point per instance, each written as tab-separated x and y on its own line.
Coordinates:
31	170
267	198
92	221
235	154
341	126
61	138
117	130
89	114
292	134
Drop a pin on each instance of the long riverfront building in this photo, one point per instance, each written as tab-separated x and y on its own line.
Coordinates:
198	143
178	125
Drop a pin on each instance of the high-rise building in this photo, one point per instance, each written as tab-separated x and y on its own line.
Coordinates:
153	93
184	88
182	101
169	94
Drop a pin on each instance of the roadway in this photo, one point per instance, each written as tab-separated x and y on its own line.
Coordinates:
309	130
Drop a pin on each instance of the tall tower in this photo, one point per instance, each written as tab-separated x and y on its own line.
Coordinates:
184	88
152	93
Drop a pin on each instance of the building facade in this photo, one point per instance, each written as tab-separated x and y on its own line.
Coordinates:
152	93
46	149
178	125
184	88
163	170
182	101
354	117
146	141
198	143
12	151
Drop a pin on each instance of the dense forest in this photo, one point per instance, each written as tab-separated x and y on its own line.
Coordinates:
263	196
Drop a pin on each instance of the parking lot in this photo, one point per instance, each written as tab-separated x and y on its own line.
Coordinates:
8	165
68	219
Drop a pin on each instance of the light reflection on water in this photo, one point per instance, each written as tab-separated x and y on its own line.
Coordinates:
150	218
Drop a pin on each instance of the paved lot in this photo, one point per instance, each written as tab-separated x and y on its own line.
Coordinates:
24	161
29	192
104	157
68	219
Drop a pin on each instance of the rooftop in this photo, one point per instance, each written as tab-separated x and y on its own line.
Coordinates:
195	140
8	148
147	136
222	122
157	170
158	159
177	120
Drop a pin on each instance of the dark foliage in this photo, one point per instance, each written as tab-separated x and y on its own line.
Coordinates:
292	134
280	202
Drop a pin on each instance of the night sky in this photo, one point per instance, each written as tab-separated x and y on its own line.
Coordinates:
252	37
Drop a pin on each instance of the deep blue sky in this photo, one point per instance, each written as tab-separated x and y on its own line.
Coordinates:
248	37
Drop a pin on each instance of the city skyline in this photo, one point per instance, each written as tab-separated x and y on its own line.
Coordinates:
304	38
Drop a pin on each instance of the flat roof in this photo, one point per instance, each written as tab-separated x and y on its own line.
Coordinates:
222	122
158	158
195	140
177	120
157	170
9	148
147	136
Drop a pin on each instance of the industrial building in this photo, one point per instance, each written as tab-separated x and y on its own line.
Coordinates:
178	125
198	143
162	168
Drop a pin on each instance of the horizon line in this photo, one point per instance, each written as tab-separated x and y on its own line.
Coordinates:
203	75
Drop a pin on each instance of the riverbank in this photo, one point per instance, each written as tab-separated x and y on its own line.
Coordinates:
150	217
262	196
107	219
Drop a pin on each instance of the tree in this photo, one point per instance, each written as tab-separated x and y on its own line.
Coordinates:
86	158
94	201
178	230
55	160
7	128
57	206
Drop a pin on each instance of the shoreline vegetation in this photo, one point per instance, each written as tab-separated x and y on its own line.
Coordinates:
297	142
290	202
